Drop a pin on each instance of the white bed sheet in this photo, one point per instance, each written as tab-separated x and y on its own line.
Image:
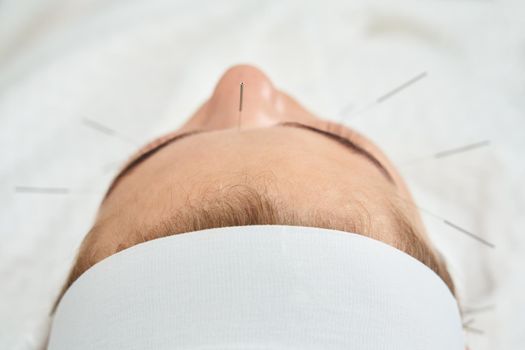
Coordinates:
141	67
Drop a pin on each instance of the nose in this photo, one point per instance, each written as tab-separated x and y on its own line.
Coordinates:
259	98
262	103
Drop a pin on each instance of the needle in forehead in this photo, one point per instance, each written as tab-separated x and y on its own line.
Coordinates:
240	104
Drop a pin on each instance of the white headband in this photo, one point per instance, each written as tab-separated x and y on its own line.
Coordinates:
258	287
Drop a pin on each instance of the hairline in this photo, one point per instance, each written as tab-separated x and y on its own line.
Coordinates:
255	206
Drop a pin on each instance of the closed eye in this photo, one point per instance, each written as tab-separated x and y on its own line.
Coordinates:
347	138
331	130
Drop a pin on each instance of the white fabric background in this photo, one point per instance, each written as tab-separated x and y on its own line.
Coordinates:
141	67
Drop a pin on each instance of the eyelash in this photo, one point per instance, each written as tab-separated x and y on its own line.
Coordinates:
152	144
340	130
328	126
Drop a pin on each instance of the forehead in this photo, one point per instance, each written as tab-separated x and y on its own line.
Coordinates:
294	157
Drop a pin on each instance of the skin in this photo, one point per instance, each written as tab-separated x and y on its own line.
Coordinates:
300	168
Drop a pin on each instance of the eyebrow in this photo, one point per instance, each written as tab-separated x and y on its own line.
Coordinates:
338	138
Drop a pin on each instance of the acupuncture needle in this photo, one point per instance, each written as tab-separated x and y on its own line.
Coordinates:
468	323
474	330
383	97
42	190
95	125
451	224
480	309
241	91
449	152
22	189
457	228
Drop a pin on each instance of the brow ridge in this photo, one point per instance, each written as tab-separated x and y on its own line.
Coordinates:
340	139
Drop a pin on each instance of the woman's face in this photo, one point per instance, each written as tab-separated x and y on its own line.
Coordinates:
299	159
